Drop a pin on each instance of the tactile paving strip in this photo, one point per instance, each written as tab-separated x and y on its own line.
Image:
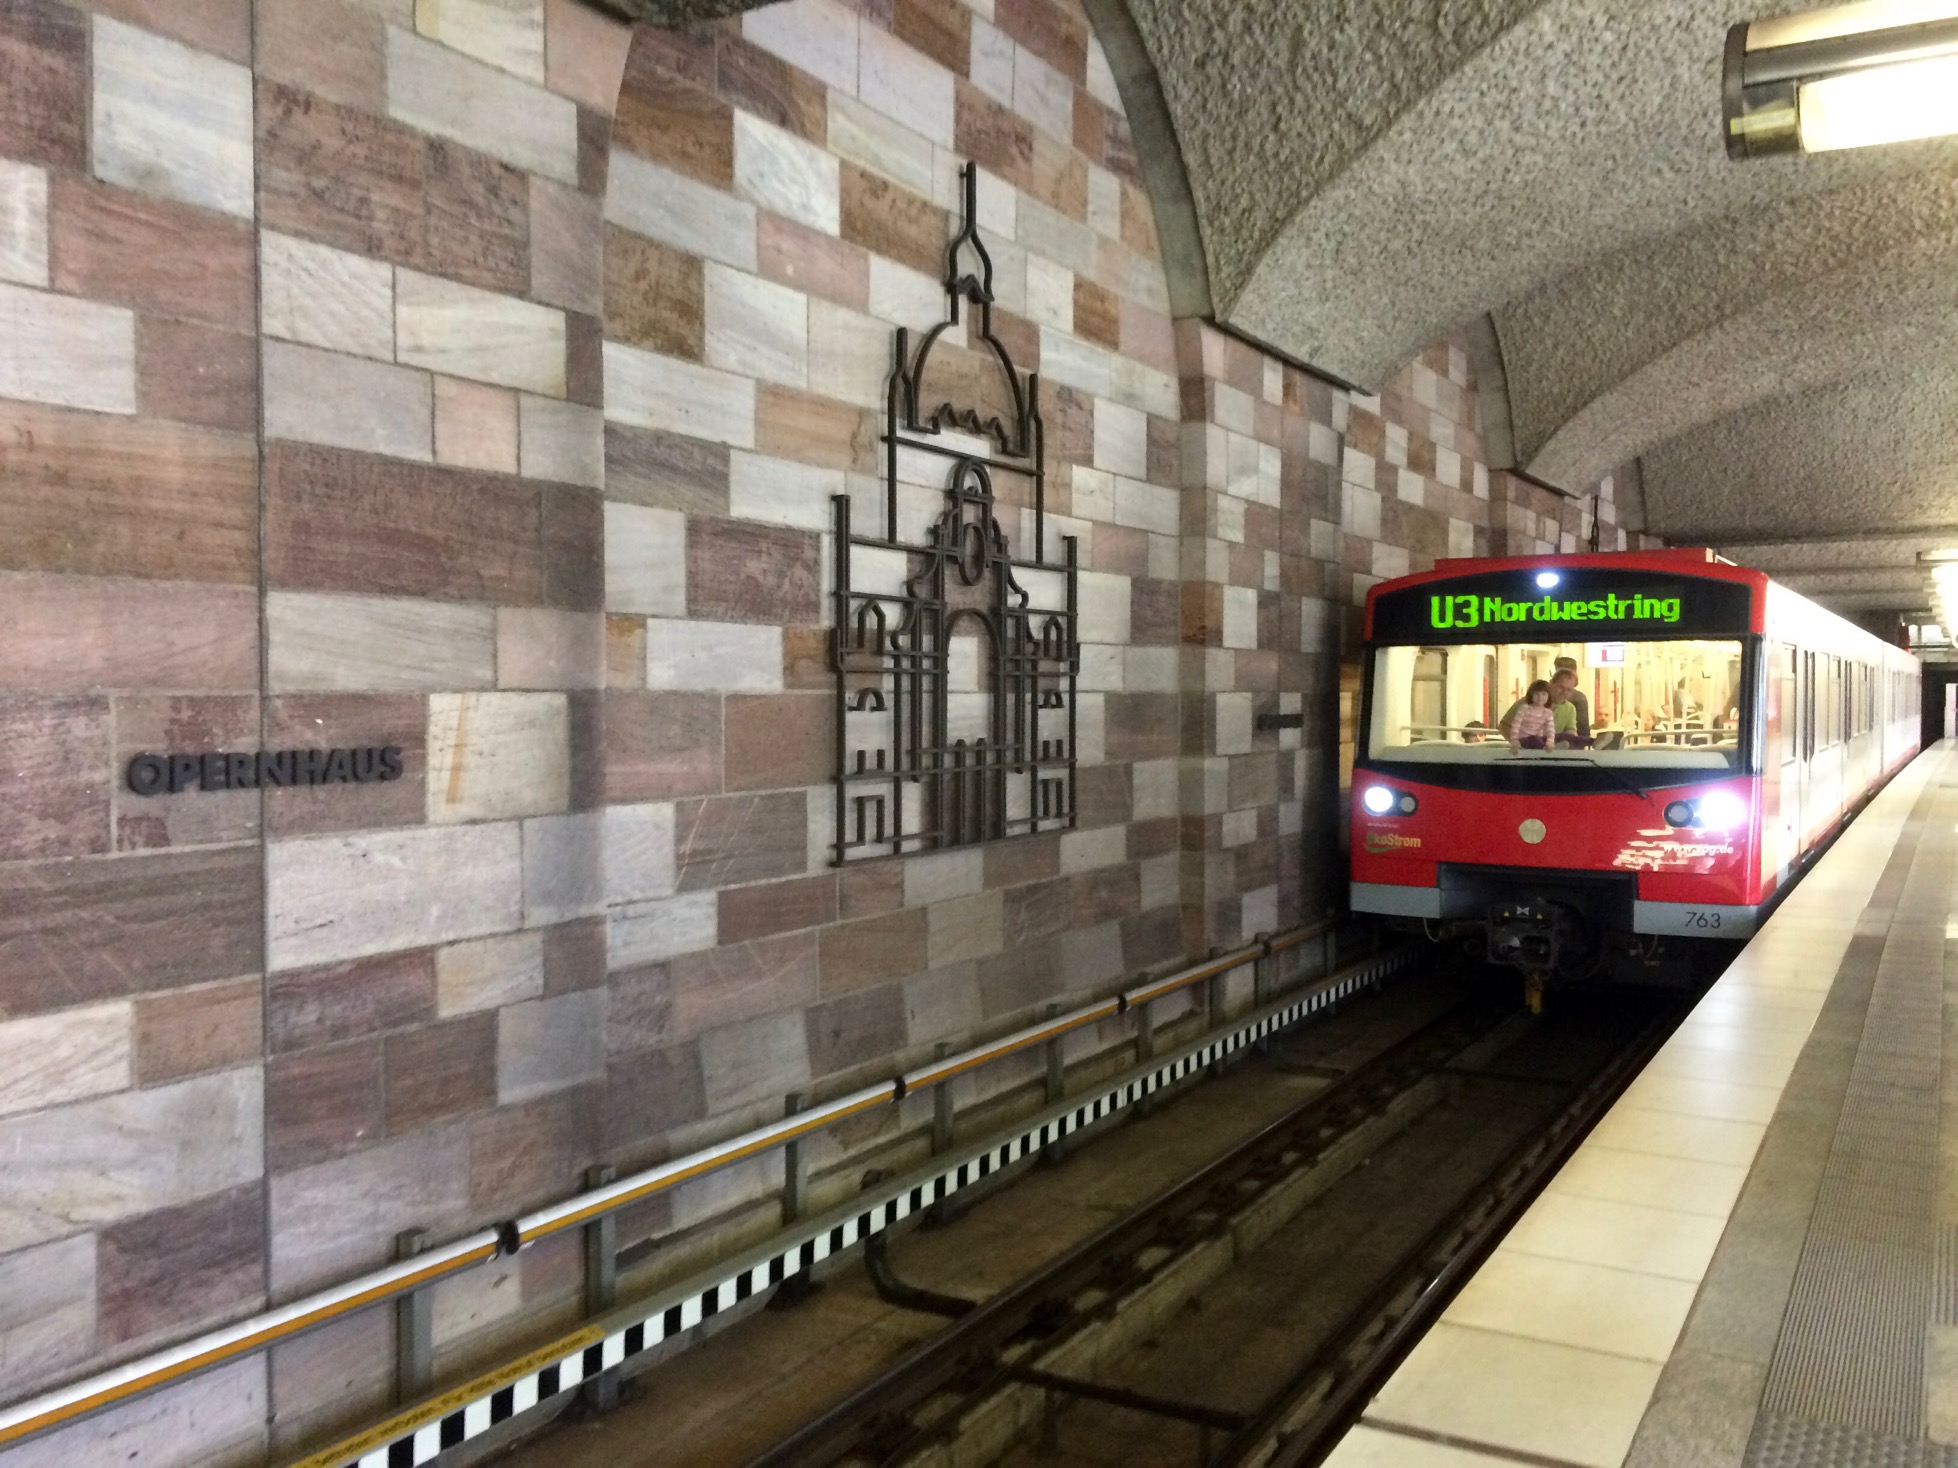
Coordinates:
1846	1383
1792	1442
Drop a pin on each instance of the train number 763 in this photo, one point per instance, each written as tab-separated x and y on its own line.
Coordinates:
1698	919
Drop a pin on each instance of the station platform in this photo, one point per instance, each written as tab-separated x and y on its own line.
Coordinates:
1753	1259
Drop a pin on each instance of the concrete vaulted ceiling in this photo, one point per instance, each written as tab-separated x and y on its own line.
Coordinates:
1770	339
1348	180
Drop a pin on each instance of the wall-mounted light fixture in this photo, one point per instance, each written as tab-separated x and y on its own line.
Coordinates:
1882	71
1940	568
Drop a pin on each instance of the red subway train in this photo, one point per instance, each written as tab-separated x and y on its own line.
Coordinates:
1568	761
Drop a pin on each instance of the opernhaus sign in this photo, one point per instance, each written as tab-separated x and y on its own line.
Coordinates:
171	774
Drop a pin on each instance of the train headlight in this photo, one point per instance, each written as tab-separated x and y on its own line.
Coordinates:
1547	579
1679	813
1721	810
1378	799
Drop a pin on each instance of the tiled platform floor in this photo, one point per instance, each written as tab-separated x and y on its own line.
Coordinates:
1753	1260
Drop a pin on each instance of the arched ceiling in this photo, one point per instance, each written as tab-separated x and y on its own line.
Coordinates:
1768	337
1361	177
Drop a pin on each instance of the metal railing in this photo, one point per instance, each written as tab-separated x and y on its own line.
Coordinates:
406	1282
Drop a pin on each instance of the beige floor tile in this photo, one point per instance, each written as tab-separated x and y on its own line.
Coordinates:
1370	1447
1613	1311
1674	1184
1620	1235
1728	1067
1668	1134
1740	1039
1693	1097
1526	1396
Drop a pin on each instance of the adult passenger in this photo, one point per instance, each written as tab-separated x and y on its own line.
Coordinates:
1570	708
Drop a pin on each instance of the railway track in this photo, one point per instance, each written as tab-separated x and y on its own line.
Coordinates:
1244	1314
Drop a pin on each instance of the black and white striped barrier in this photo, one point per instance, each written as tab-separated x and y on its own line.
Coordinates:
421	1433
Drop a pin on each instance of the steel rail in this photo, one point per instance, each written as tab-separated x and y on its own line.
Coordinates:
970	1344
64	1405
1384	1328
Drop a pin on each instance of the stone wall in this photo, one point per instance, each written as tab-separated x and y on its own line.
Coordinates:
476	376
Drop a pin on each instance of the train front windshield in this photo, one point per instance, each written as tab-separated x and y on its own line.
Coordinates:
1678	704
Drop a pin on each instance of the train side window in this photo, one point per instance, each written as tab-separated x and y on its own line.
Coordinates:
1790	722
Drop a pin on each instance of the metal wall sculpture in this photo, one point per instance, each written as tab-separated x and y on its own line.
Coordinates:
955	660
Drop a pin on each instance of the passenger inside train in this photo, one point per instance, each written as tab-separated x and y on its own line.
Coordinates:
1634	703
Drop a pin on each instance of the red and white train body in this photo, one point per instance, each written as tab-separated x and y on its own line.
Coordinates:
1734	725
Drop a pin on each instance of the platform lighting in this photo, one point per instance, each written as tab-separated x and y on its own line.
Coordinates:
1883	71
1942	567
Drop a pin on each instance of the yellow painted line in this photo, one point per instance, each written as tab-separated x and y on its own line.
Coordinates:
414	1418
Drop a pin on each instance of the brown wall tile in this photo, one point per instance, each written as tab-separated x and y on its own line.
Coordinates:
445	1070
344	1001
1030	859
44	105
342	521
187	373
177	1267
655	296
893	222
1058	35
814	430
868	888
776	741
993	136
324	1103
161	257
665	471
875	950
638	1008
76	931
1142	726
661	745
1097	314
1105	895
350	721
856	1029
1036	910
674	122
195	1030
649	1094
336	50
345	178
524	1156
574	956
942	29
723	986
726	840
741	572
567	246
769	88
58	754
95	495
160	725
816	263
572	549
1014	981
777	907
85	634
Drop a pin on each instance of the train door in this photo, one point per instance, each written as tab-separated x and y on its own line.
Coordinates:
1783	750
1805	746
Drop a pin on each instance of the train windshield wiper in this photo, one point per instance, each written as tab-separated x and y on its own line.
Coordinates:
1565	756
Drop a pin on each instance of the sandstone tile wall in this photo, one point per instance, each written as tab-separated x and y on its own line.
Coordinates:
476	376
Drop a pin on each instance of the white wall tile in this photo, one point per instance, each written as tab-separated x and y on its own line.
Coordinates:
561	441
818	36
645	560
323	297
170	120
324	644
549	1044
23	224
1121	440
903	83
756	327
339	897
445	93
465	332
646	390
992	61
347	402
779	172
563	868
47	1313
1043	96
492	756
1087	851
782	492
874	140
679	211
508	34
56	349
1240	617
638	852
1104	607
51	1059
708	656
849	354
645	932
